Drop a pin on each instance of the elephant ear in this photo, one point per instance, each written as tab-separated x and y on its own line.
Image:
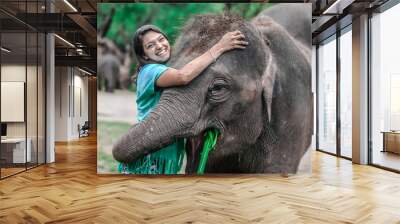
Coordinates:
287	88
262	24
268	82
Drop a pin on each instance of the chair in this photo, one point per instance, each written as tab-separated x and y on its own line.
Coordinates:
84	130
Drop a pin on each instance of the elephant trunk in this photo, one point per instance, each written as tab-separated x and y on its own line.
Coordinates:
175	116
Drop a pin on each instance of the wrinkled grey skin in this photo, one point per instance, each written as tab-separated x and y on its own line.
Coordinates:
259	98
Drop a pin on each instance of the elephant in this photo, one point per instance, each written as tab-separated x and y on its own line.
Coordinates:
259	99
113	64
108	67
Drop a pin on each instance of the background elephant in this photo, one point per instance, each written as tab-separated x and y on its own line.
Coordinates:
298	27
108	67
258	98
113	62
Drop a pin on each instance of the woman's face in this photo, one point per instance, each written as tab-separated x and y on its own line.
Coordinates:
156	47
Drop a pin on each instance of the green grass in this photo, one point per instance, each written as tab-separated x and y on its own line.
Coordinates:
108	133
106	163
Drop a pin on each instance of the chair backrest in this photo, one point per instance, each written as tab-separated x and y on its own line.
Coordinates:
86	125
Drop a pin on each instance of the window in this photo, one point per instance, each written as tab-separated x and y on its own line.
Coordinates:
346	75
385	88
327	96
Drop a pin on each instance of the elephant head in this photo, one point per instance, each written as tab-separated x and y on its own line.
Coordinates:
258	98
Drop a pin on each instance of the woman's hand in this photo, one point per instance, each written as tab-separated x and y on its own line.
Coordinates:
179	77
231	40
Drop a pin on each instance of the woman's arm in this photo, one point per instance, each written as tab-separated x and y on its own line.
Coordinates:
177	77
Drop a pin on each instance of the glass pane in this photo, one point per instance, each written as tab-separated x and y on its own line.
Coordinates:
327	97
346	94
314	90
386	89
31	97
41	98
23	82
32	85
13	86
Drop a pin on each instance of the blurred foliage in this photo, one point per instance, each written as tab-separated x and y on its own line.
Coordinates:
108	132
106	163
170	17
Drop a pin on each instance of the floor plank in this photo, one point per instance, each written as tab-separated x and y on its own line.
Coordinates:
70	191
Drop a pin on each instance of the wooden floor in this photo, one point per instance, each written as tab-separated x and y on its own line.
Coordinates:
387	159
10	171
70	191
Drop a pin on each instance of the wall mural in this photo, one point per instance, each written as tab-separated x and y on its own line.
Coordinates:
214	88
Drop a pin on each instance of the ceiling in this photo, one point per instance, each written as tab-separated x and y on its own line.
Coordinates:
72	20
332	15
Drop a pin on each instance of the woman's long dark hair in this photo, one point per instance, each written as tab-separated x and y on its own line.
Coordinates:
137	44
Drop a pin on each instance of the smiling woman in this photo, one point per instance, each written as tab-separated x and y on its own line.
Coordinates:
156	46
152	51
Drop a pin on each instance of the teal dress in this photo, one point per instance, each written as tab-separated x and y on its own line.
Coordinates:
169	159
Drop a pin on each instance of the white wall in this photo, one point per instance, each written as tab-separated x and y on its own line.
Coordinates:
16	73
71	102
61	103
80	110
33	126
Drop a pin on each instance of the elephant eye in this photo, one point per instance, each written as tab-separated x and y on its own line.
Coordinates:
218	91
217	88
